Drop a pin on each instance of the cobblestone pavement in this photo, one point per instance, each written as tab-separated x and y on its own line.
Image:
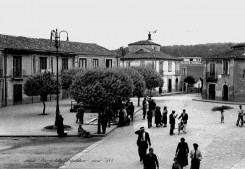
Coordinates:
222	144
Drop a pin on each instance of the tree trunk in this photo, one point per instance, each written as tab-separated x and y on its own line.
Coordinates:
138	100
43	107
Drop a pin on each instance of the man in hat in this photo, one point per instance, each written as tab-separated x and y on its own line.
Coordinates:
184	118
142	142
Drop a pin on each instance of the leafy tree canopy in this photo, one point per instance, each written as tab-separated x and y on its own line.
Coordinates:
101	87
67	77
40	85
152	78
190	80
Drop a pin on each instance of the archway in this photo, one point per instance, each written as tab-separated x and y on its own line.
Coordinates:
225	92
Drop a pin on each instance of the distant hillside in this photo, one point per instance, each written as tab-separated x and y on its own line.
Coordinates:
201	50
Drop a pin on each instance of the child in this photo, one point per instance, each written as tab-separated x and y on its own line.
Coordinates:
176	165
222	115
180	126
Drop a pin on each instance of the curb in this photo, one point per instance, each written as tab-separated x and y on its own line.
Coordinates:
217	101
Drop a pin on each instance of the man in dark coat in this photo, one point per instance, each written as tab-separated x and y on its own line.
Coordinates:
149	118
80	114
184	118
142	142
109	115
144	104
103	120
172	122
131	110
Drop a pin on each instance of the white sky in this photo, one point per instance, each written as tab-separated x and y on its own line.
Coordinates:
116	23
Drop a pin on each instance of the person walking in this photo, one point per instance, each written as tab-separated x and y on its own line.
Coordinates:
240	116
196	157
182	153
149	118
131	110
103	120
80	114
142	142
158	116
172	122
222	116
144	108
164	116
151	161
184	118
109	115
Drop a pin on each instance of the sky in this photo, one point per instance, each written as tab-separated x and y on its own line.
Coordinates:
116	23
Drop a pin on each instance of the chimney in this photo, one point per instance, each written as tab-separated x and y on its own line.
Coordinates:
149	36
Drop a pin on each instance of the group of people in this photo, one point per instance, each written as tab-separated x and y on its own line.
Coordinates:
150	160
126	113
162	117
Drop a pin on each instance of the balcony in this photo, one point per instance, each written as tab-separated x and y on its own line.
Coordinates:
211	77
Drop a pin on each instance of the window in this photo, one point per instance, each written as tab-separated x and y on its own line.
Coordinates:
170	66
212	68
108	63
191	59
43	63
183	71
95	62
83	63
64	63
225	67
17	66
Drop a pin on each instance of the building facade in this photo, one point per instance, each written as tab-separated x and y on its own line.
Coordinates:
22	57
224	76
147	53
191	66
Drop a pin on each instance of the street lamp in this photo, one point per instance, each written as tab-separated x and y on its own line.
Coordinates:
56	35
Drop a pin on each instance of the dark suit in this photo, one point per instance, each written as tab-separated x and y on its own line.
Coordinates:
172	123
142	144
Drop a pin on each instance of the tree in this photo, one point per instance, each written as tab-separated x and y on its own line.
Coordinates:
101	87
40	85
152	78
67	77
138	82
190	80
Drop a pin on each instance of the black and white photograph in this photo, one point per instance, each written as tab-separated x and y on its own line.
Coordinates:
120	84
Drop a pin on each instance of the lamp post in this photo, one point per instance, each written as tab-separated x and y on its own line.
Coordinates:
56	35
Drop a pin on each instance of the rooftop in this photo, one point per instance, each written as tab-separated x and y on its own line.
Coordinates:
143	42
145	53
45	45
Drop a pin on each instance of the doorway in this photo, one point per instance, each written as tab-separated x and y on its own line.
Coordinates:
17	94
225	93
169	85
176	84
212	91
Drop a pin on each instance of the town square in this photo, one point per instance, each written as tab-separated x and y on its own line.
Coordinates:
122	84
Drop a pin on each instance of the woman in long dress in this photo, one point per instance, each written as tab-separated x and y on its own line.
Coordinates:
164	116
158	116
182	153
